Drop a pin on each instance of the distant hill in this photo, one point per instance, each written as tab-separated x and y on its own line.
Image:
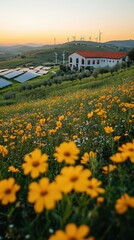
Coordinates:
37	54
121	43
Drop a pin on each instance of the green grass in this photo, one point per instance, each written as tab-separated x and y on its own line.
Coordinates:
32	121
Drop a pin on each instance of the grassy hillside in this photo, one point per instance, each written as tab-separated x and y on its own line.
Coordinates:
45	55
36	89
62	165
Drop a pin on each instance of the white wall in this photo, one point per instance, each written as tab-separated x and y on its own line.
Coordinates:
102	61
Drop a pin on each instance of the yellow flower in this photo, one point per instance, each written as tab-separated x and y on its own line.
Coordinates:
61	117
94	188
116	138
73	178
87	157
52	131
35	163
108	169
58	124
8	189
89	115
24	138
13	169
67	152
72	232
127	150
3	150
100	201
123	203
108	129
118	158
43	194
29	126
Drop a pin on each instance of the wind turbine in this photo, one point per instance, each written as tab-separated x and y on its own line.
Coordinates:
54	41
82	38
63	55
68	39
100	33
96	39
74	38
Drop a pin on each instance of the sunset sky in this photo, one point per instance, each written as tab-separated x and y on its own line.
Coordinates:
49	21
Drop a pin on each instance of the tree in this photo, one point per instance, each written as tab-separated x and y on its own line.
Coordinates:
131	55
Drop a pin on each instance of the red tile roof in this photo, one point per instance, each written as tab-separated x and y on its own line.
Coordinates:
112	55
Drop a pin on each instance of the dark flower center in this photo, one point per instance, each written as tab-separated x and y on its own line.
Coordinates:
35	164
8	191
67	154
74	179
43	193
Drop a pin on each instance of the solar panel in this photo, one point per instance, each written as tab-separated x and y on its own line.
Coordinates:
26	76
5	72
42	72
2	70
13	74
4	83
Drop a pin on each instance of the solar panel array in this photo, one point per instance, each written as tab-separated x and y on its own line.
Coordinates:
26	76
21	74
4	83
13	74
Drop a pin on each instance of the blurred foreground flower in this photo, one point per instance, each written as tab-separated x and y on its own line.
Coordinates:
73	178
68	152
94	188
87	157
35	163
8	189
126	151
124	203
43	194
72	232
108	169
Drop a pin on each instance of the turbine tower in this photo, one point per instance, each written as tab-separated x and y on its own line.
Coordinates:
100	33
82	38
63	55
96	39
68	39
54	41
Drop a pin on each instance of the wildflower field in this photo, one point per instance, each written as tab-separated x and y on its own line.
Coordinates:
67	165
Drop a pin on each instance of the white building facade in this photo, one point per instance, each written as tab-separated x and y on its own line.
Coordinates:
78	60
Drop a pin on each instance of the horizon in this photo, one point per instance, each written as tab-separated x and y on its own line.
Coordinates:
54	22
51	44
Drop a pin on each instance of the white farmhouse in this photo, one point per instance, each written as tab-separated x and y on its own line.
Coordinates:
83	59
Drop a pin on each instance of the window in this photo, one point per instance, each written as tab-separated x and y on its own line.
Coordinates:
93	62
98	61
82	61
77	60
88	62
70	60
